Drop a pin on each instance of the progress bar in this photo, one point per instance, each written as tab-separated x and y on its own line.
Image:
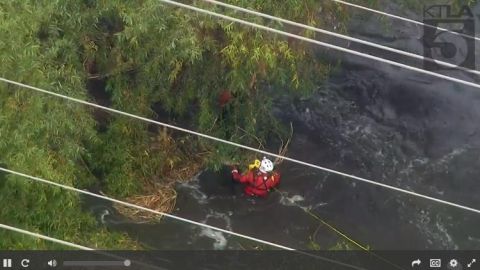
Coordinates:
125	263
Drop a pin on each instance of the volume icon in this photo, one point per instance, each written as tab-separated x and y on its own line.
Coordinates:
52	263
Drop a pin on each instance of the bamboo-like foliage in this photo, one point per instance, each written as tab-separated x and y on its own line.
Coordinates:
133	56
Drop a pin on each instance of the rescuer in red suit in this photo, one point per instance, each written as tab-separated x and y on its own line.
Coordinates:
260	178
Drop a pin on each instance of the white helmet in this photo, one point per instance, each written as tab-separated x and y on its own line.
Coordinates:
266	165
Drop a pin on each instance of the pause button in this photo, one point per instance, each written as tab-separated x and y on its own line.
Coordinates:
7	263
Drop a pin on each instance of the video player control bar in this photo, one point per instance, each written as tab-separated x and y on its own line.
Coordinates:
125	263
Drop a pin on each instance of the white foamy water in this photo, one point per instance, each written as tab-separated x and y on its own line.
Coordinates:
220	239
435	230
296	200
292	200
193	187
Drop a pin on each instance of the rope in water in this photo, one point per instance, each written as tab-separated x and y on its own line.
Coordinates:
339	232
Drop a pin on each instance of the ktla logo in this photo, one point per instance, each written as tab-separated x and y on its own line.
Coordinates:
442	45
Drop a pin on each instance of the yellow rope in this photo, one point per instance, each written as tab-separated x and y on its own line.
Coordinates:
337	231
343	235
349	239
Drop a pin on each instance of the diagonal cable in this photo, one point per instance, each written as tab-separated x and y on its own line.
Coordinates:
70	188
405	19
324	44
357	40
44	237
202	135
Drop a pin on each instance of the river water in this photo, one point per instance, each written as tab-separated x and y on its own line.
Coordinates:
372	120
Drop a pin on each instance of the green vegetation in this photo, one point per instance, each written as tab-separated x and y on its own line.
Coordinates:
133	56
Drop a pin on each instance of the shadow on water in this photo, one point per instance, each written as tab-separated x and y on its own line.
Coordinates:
375	121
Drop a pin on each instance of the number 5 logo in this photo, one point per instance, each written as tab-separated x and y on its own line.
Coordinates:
448	47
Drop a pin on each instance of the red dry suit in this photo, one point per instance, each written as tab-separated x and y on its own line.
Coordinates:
258	183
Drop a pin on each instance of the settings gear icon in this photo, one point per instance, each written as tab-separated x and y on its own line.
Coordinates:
453	263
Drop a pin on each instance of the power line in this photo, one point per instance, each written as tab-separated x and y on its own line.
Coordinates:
404	19
70	244
70	188
323	31
337	231
247	147
44	237
131	205
338	48
361	179
235	144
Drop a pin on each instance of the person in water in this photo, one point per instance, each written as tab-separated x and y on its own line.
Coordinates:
259	179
